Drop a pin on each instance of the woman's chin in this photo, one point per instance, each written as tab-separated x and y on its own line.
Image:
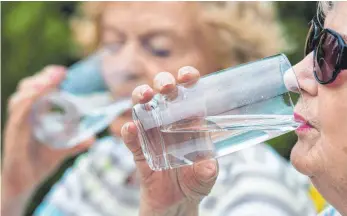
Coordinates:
304	156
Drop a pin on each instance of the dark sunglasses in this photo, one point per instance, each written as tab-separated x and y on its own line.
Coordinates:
330	52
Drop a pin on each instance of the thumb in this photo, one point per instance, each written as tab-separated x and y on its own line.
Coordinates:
197	180
81	147
206	171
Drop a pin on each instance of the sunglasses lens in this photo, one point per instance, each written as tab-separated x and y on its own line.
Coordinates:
325	57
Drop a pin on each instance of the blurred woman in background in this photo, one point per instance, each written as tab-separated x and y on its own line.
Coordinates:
144	39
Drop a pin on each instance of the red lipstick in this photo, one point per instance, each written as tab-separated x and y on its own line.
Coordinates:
305	125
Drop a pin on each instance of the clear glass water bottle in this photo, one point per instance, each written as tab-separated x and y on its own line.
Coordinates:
81	107
223	112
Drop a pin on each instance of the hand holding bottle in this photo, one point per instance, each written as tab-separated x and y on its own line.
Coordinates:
26	161
176	190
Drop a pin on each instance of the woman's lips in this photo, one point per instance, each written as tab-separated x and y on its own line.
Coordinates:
305	125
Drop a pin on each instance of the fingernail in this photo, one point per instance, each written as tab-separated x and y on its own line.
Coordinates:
145	91
165	82
184	70
39	86
55	76
56	72
30	93
209	171
44	81
128	128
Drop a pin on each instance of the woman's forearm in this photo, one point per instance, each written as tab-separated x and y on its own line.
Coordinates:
13	201
14	206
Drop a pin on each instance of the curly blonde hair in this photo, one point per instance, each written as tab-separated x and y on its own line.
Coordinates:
237	31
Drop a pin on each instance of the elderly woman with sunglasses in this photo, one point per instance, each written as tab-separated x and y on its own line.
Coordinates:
321	150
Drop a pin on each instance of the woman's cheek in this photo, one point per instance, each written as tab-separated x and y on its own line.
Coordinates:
333	112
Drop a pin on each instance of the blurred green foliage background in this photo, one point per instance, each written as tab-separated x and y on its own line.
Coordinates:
35	34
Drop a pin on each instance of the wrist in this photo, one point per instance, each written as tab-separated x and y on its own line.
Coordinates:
183	208
15	197
16	185
14	203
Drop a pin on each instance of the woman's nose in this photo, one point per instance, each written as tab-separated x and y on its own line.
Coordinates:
300	77
129	64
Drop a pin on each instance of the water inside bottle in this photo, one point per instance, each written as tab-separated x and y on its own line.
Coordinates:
215	136
233	123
